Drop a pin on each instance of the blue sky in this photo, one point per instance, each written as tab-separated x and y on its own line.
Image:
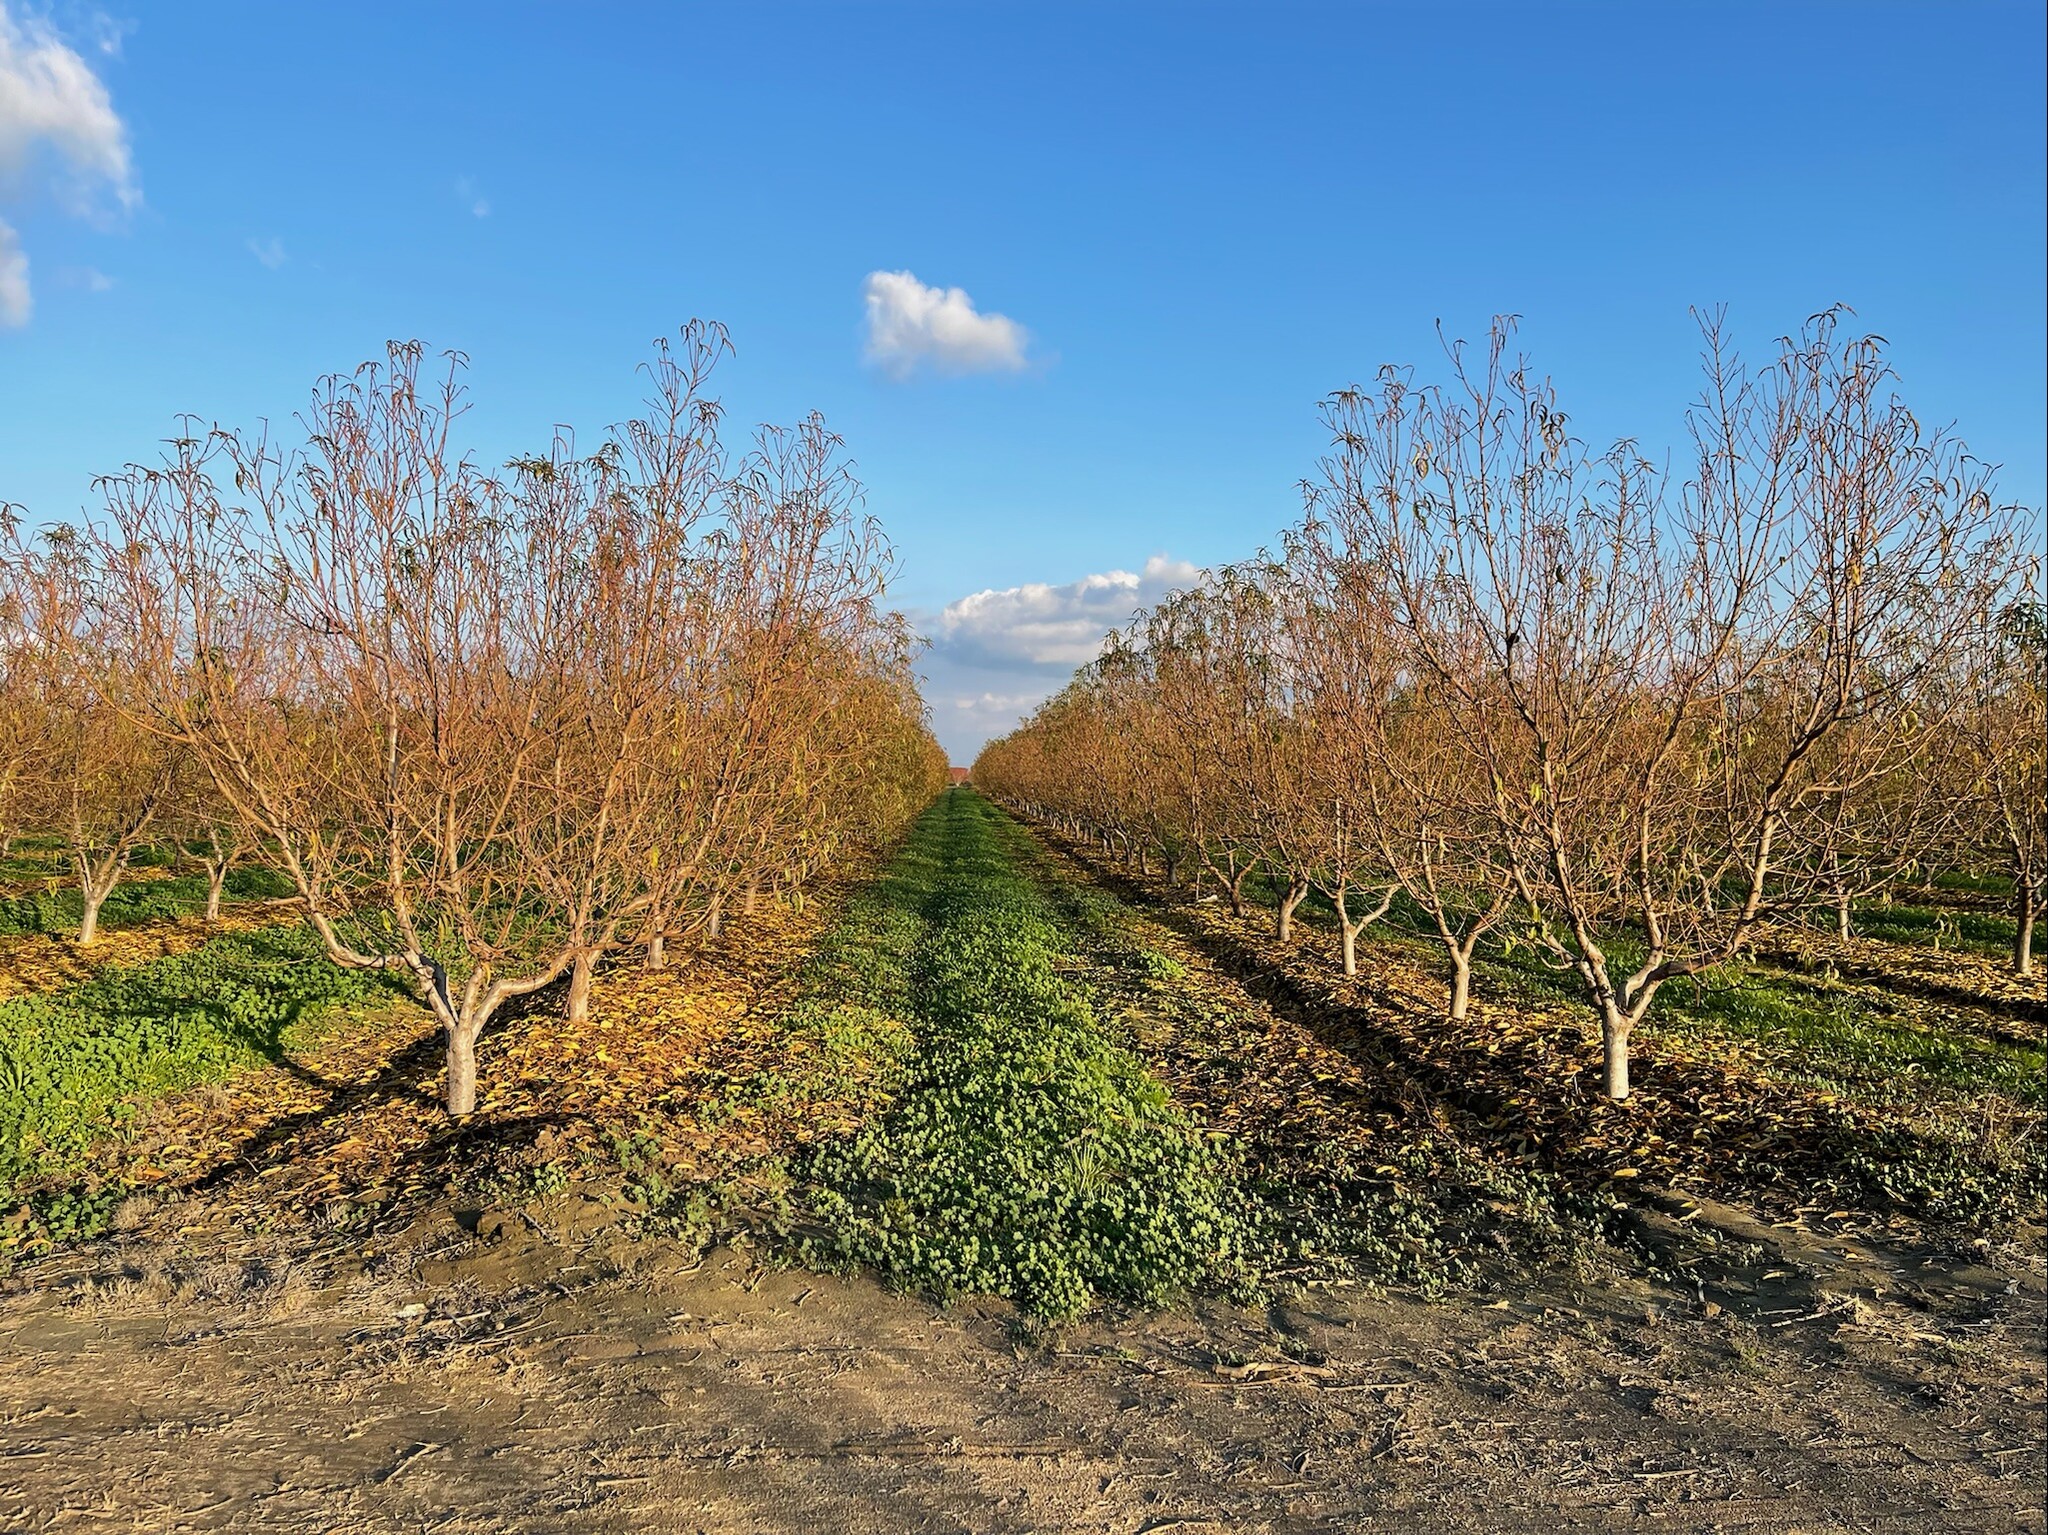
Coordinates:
1202	218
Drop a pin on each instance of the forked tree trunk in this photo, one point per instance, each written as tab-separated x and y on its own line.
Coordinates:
1237	883
1341	899
1295	894
460	1034
89	921
1461	983
216	881
94	886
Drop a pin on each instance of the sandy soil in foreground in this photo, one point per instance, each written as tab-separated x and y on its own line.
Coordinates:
562	1377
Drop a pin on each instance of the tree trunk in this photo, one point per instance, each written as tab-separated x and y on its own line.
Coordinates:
1614	1032
579	989
1341	899
2023	939
89	922
1172	870
94	888
461	1097
1297	892
753	895
716	924
216	879
657	951
1842	915
1461	984
1237	879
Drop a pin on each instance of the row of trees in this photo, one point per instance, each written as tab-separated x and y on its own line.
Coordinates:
491	725
1530	690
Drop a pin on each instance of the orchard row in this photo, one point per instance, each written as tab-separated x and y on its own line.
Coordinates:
488	725
1524	691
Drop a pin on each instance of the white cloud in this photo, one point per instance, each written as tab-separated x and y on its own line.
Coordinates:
56	122
108	33
270	252
1038	625
466	193
1000	703
996	655
54	108
91	279
15	302
911	325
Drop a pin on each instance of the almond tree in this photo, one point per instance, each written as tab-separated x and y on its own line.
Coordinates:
786	595
1210	651
1342	656
1882	810
22	726
103	780
2002	733
1615	659
427	691
205	828
491	726
1419	797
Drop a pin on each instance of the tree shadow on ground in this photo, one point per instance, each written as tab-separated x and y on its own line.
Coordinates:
405	1086
1690	1123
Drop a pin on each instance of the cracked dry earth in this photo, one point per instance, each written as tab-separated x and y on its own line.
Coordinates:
557	1381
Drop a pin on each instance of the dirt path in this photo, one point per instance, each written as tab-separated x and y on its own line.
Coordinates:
542	1371
565	1385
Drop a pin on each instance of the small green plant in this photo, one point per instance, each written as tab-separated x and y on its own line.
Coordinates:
1155	966
550	1180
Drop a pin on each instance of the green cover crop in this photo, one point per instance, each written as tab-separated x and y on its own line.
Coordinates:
1026	1153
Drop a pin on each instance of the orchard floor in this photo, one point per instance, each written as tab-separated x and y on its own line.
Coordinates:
245	1354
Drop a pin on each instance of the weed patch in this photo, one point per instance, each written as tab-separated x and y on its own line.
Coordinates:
60	909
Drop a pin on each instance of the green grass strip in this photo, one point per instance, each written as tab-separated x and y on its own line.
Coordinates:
1023	1153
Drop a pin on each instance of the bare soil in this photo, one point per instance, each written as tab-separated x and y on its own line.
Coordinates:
563	1378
